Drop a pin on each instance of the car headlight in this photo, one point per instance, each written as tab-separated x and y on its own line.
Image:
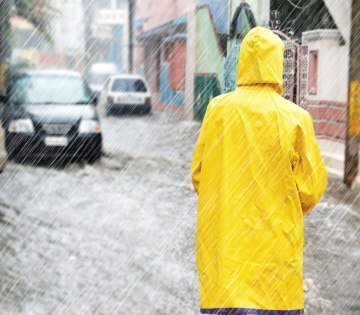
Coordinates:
21	126
89	126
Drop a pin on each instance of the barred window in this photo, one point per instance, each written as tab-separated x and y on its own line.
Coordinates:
313	71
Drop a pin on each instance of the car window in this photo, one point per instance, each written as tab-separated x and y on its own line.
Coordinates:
49	89
128	85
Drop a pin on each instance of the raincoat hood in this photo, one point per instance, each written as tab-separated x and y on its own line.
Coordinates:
261	59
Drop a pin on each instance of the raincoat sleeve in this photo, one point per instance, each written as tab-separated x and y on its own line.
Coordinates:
199	150
309	169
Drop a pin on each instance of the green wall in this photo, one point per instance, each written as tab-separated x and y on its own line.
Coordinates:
208	64
208	54
206	87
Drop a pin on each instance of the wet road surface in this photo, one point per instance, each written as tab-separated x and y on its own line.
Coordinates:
118	237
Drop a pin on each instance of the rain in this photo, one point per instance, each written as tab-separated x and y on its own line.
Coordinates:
101	104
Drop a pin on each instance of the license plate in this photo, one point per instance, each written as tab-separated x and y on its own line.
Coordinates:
56	141
129	100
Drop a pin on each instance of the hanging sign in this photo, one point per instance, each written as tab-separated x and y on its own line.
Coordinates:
354	109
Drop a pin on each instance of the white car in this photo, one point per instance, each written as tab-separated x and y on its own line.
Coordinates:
127	91
99	73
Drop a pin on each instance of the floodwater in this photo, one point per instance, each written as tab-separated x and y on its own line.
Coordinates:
118	237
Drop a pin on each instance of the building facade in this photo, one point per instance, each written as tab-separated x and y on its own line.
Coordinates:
161	48
320	61
184	39
187	39
107	33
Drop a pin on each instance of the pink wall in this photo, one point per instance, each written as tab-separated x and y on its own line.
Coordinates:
175	55
158	12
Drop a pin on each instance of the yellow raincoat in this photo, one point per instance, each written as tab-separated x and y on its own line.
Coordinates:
257	170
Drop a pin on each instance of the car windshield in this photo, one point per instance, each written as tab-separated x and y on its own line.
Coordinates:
49	89
128	85
98	78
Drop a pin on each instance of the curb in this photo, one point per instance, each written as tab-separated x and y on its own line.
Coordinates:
340	174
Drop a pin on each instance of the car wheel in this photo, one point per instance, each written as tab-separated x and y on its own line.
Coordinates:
16	158
107	111
11	156
94	156
2	166
11	152
145	109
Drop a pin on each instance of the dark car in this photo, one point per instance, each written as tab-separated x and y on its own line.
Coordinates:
51	114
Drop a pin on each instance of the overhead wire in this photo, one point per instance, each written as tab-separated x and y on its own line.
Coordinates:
299	7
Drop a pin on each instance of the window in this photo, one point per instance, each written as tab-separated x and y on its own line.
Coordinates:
175	55
313	71
49	89
128	85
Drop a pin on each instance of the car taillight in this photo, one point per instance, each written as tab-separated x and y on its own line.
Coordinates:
110	100
148	101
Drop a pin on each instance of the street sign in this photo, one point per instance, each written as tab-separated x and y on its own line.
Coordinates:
354	109
111	17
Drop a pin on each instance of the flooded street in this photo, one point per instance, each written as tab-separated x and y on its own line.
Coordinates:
118	237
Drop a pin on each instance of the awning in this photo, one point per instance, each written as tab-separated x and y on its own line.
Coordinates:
166	28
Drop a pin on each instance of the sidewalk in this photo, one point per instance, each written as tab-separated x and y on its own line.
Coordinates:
334	157
333	152
157	104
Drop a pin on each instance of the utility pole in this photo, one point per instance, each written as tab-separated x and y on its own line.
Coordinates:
190	61
353	114
131	6
4	42
88	18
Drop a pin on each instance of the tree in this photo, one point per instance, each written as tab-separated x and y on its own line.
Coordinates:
302	15
35	11
4	29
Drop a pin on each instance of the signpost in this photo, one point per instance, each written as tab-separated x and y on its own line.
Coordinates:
353	125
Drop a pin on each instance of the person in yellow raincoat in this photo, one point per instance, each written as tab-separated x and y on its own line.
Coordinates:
257	170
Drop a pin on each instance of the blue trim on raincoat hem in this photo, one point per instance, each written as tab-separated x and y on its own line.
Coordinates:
249	311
